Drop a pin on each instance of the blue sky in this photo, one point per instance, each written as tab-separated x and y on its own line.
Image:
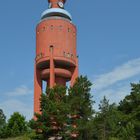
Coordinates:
108	44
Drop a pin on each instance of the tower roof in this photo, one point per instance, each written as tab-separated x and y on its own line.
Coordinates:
56	12
52	1
56	3
56	9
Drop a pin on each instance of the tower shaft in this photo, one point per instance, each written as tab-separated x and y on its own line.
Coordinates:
56	59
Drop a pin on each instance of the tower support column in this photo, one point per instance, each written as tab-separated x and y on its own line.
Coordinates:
52	73
37	90
75	73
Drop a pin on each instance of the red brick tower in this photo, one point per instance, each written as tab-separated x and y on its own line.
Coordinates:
56	59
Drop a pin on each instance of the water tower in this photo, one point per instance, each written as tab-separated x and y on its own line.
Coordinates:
56	59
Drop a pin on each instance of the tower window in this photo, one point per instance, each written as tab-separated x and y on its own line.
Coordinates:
43	28
51	48
51	27
68	55
68	29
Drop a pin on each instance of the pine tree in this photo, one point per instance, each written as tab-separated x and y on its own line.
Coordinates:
130	106
127	132
66	116
81	102
106	123
54	110
102	120
2	123
2	119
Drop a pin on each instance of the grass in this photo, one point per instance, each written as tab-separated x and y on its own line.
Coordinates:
18	138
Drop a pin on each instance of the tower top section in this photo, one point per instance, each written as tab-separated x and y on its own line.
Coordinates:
56	10
56	3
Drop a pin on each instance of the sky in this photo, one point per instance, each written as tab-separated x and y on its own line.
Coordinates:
108	45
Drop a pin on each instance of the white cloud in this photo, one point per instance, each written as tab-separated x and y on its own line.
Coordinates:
19	91
115	85
113	93
10	106
123	72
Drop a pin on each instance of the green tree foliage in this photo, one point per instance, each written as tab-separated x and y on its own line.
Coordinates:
127	132
81	102
58	110
2	122
54	108
106	121
109	123
103	127
2	119
15	126
130	106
